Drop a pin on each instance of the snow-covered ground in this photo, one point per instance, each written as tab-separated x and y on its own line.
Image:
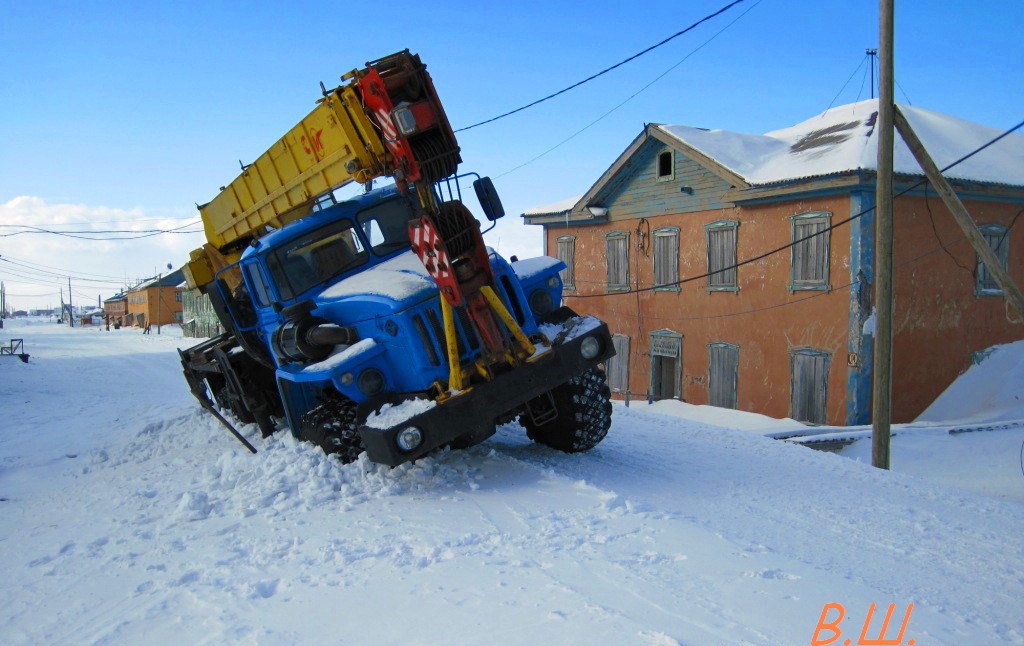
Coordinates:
129	516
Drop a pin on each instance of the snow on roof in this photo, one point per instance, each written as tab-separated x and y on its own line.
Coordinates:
555	208
845	139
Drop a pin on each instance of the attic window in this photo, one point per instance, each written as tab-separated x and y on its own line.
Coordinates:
666	171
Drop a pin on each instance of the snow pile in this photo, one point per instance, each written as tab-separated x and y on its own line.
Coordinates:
394	414
527	269
715	416
399	278
991	390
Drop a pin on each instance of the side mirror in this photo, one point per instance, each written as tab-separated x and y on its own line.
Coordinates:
488	198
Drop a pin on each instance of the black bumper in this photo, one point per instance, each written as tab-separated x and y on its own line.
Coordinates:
472	414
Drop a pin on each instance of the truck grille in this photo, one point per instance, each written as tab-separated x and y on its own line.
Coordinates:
431	333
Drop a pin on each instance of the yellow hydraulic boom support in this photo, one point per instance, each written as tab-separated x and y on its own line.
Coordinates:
385	121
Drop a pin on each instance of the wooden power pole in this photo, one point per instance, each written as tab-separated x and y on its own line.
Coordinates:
881	413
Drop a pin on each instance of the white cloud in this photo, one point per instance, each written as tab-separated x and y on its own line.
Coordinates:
52	257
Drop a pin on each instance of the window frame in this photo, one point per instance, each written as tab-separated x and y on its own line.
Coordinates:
673	284
979	287
671	165
807	217
722	225
608	237
569	273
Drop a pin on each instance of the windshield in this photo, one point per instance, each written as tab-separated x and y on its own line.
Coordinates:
386	225
316	258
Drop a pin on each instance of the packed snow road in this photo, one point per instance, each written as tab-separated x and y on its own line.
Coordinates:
130	516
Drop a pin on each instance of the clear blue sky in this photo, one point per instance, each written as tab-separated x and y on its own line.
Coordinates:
148	107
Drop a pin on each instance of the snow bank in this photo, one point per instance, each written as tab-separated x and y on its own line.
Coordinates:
716	416
991	390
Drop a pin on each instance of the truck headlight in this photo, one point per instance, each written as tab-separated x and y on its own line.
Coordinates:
552	282
409	438
371	382
590	348
540	302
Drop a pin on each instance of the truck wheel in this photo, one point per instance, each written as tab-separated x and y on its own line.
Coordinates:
333	426
584	414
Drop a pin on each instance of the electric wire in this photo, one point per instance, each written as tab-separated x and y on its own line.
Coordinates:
607	69
77	234
63	271
836	97
43	273
826	229
632	96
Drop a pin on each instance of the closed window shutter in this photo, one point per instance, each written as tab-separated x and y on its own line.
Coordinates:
722	254
566	251
616	258
723	364
810	256
809	386
618	366
666	258
998	242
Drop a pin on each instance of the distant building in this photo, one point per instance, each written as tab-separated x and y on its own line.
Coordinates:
155	302
792	333
115	309
199	319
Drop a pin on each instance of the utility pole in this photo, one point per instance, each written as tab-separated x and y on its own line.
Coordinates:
71	308
872	52
159	277
881	414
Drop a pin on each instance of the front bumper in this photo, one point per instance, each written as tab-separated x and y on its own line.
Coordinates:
472	413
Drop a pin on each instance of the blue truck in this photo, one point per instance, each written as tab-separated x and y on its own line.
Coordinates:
382	323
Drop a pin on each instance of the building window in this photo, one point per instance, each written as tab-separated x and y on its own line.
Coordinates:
178	317
617	260
808	385
999	242
177	296
666	169
618	366
720	237
565	250
666	364
809	257
723	367
666	258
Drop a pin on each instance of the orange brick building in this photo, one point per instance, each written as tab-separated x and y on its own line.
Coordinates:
789	334
155	302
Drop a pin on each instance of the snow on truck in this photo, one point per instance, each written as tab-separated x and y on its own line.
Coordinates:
382	323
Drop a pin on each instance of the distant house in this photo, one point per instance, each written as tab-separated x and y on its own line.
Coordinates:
90	317
790	334
115	309
155	302
199	319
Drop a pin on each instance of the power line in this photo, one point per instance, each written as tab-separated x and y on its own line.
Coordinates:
607	69
91	234
826	229
632	96
43	273
64	272
836	97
